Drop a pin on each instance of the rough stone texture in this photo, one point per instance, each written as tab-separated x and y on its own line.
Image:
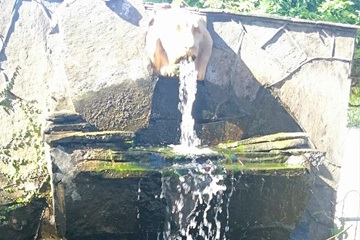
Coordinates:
23	44
278	225
104	62
213	133
97	199
120	211
212	105
91	68
88	57
125	106
102	193
66	59
92	205
22	222
90	138
98	54
304	65
304	93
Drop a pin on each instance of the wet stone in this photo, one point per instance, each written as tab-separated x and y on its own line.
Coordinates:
153	193
90	137
21	221
63	117
81	127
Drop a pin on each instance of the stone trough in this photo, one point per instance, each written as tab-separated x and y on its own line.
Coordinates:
106	188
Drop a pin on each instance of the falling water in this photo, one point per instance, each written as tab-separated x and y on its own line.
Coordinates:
187	93
198	203
138	199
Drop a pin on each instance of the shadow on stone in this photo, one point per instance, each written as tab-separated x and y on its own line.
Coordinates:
125	10
22	222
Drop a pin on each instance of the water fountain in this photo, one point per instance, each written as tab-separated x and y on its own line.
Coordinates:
199	191
198	205
113	176
164	193
187	93
189	141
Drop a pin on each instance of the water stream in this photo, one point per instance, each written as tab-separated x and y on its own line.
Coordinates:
189	141
187	93
198	201
198	197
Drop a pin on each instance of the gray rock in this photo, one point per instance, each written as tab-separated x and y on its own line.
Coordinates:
265	75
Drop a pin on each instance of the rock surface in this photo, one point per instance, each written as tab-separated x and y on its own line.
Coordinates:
23	222
265	75
140	193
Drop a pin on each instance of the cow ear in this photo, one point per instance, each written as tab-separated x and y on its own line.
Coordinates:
195	30
151	22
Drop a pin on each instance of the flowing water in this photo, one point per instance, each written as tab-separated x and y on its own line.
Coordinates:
187	93
197	216
189	141
199	205
185	198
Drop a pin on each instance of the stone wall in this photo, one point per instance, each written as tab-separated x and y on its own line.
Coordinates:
265	75
305	65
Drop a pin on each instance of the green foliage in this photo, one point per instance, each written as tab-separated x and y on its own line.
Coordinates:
23	157
354	105
339	11
292	8
5	94
236	6
339	233
344	11
4	212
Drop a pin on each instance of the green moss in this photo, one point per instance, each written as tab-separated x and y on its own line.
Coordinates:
167	153
260	167
129	142
228	156
172	173
142	161
6	210
120	170
240	148
121	167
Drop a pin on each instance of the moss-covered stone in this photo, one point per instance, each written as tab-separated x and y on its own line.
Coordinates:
277	141
267	146
122	138
65	117
157	158
267	169
116	169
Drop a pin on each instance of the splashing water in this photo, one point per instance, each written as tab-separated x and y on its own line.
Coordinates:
195	204
198	203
